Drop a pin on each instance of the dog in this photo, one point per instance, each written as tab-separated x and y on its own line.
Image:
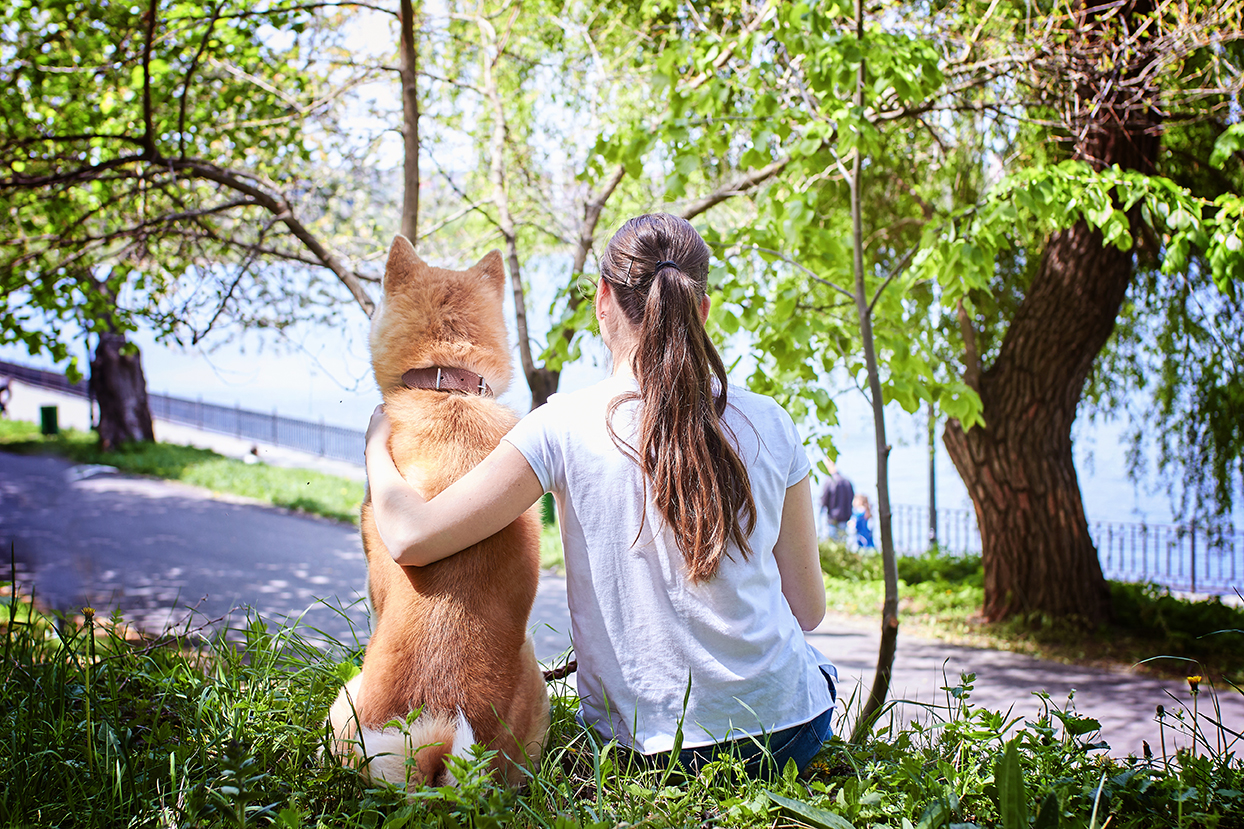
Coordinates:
449	658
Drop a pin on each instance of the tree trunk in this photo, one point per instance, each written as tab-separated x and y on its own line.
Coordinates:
118	385
543	382
1019	468
409	73
888	646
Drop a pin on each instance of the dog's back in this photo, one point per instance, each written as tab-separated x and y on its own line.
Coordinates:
449	640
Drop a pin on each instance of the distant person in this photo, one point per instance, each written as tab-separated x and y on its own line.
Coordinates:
6	394
861	515
836	502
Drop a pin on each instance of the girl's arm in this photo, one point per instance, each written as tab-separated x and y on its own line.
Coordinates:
482	502
798	559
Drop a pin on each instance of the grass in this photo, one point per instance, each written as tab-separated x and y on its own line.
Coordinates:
100	727
100	730
297	489
941	596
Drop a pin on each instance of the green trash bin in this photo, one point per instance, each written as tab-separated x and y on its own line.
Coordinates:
47	420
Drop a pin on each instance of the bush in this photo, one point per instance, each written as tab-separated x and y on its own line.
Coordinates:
840	562
936	565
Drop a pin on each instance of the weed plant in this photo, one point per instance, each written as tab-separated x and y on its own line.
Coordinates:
97	730
299	489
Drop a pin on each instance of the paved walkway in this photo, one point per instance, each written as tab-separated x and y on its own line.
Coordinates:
166	553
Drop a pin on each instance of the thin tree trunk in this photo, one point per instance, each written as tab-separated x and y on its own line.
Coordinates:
932	478
889	610
408	72
118	385
1019	468
540	380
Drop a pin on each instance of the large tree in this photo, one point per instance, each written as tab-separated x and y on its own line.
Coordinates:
1111	74
157	165
1013	180
540	122
1018	465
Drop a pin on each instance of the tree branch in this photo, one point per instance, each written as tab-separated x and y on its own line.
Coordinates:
971	360
899	268
185	89
409	74
496	173
284	212
734	188
808	272
149	146
591	215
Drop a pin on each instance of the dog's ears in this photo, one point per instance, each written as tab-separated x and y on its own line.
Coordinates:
403	263
492	269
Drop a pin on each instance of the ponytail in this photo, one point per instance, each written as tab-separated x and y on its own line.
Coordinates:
697	480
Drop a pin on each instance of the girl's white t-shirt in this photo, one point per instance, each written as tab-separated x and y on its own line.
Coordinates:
723	658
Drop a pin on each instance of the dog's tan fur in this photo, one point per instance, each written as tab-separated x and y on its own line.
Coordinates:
449	639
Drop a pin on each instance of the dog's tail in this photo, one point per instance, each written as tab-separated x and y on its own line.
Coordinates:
408	756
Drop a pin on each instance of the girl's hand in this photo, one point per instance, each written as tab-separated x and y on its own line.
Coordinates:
378	424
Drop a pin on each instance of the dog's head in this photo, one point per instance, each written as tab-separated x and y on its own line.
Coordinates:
437	317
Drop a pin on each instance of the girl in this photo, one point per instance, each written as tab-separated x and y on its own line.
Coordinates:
686	516
861	517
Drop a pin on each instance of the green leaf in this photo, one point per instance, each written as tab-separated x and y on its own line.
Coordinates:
934	815
1012	796
1227	144
346	671
1050	815
809	814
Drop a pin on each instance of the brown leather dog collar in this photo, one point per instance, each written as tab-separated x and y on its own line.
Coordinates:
446	379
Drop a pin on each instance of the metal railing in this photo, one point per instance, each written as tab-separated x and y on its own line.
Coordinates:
956	530
1189	557
44	379
272	428
1192	557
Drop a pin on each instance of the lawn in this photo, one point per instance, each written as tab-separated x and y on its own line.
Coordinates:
941	597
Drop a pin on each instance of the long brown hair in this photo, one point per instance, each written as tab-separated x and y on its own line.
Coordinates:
657	266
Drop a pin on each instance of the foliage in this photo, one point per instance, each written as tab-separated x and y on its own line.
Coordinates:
552	557
841	562
228	733
156	165
1193	632
299	489
937	566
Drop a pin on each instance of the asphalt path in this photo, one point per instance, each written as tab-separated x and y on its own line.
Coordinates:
167	554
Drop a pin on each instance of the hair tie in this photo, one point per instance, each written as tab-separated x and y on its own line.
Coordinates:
662	264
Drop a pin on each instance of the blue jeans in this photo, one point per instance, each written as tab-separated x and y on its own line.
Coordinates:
763	755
